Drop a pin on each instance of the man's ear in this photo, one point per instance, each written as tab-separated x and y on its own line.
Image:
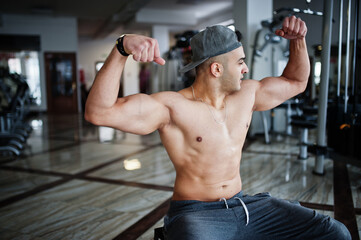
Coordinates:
216	69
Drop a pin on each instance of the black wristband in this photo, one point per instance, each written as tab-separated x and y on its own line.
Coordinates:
120	46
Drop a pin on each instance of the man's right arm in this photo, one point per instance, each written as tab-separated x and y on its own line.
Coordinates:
139	113
272	91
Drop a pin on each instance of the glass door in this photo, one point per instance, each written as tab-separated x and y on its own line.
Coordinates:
60	71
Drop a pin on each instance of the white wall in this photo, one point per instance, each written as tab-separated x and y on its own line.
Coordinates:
131	77
161	33
247	16
93	50
58	34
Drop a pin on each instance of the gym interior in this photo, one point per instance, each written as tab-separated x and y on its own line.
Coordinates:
64	178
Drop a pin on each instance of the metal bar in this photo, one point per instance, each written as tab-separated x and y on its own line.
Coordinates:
325	72
340	50
347	61
265	127
303	144
355	37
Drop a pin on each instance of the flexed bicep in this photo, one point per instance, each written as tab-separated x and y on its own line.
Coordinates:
273	91
139	114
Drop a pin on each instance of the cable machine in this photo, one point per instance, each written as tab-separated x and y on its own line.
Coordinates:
344	112
266	37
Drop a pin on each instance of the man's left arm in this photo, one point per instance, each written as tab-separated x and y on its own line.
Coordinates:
272	91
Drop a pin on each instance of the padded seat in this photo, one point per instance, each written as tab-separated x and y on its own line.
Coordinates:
304	124
308	110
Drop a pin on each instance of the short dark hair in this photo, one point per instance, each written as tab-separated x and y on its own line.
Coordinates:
239	35
209	61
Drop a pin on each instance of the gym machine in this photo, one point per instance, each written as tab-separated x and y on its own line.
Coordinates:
344	113
266	37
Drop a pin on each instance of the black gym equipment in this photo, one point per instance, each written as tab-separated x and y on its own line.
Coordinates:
343	113
15	102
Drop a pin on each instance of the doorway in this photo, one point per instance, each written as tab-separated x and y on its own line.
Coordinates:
60	70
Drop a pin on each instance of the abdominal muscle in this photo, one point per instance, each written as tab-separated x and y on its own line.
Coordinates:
208	180
190	189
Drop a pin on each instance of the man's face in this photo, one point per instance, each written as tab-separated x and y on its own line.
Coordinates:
234	69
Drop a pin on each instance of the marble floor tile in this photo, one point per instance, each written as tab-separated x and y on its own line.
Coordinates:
286	177
329	213
149	235
285	145
80	210
8	234
106	196
13	183
354	174
37	145
280	144
59	220
153	167
77	158
68	127
72	135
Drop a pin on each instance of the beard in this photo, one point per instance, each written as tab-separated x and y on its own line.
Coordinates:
231	85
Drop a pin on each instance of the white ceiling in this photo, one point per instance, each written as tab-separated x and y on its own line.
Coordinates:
99	18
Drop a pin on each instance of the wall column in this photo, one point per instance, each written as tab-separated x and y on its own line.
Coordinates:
161	33
247	15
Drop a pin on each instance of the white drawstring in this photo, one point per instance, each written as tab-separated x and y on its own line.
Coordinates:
245	209
225	201
243	205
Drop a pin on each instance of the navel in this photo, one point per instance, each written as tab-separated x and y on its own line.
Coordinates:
199	139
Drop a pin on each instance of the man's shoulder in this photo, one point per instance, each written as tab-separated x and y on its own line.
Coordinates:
250	83
248	86
168	97
167	94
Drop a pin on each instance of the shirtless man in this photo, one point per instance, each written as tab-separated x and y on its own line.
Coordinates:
203	129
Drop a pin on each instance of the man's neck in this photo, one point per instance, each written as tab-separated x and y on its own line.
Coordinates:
209	91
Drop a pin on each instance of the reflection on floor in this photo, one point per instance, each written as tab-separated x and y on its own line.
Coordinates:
78	181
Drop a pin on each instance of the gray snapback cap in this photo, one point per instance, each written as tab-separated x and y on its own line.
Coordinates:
211	42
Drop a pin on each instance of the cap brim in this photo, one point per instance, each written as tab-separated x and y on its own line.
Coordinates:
191	65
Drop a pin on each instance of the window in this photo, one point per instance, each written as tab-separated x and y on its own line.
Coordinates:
25	63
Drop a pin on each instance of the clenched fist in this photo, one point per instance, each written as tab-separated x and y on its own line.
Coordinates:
292	28
143	49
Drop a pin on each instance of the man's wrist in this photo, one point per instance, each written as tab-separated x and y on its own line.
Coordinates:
120	46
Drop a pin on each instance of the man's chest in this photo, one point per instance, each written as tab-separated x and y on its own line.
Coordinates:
203	124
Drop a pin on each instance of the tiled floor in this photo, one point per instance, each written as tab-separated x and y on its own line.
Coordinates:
78	181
